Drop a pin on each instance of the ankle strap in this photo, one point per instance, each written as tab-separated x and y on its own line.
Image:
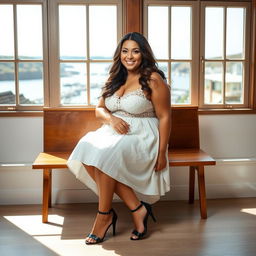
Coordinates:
137	208
106	213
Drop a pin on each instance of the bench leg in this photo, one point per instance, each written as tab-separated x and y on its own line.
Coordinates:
201	189
191	184
47	191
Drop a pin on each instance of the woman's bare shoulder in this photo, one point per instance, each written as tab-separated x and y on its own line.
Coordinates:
156	81
156	77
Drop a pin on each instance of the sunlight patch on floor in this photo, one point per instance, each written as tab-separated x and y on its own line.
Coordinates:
32	224
50	235
250	211
73	247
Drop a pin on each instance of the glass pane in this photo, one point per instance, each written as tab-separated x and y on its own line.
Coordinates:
72	32
7	83
235	33
6	32
234	83
180	82
158	31
214	32
213	83
31	83
99	73
103	31
164	67
73	83
29	23
181	33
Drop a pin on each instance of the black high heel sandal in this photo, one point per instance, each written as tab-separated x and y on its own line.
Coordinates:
145	221
98	239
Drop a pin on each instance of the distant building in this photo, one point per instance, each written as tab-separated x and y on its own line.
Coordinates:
214	88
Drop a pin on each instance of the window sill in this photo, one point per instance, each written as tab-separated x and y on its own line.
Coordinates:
20	113
226	111
200	112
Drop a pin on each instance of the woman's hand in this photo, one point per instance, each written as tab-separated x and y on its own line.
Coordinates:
119	125
160	162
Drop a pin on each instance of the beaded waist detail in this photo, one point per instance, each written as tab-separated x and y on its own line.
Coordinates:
144	114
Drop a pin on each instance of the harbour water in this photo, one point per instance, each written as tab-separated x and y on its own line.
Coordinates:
73	89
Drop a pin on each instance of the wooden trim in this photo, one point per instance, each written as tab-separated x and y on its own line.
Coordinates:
133	13
21	113
93	108
200	111
253	56
22	1
226	111
70	109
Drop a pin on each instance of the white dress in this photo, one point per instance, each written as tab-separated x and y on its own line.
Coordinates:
128	158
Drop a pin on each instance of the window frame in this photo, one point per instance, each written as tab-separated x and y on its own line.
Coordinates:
194	41
246	91
17	106
249	105
134	8
54	60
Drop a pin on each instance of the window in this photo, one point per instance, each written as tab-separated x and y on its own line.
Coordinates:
81	50
80	38
23	69
170	36
225	55
57	53
207	67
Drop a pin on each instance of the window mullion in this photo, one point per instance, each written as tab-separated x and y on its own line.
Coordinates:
195	54
202	55
224	55
247	72
88	55
16	56
45	61
54	60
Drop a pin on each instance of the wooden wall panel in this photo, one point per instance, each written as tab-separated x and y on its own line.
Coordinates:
64	127
133	10
184	128
253	54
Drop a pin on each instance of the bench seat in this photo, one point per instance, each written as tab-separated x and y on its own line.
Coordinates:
179	157
64	127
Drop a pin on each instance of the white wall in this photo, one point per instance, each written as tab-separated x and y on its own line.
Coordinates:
222	136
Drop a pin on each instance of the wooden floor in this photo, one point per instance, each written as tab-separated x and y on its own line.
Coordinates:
230	230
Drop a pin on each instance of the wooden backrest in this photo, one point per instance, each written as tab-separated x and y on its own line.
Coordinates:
64	127
184	128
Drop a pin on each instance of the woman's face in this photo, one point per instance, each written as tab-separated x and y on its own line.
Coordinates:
131	55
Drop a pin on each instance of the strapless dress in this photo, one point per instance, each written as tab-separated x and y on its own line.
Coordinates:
128	158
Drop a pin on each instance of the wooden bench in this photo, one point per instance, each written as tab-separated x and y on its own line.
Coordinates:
64	127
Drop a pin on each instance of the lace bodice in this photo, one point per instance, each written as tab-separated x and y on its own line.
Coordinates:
134	104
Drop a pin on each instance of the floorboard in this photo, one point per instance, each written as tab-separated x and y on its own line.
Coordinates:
230	230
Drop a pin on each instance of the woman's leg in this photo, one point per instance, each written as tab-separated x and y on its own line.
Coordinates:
106	187
129	197
131	200
123	191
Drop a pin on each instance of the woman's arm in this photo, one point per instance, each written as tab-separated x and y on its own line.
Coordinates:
103	114
160	98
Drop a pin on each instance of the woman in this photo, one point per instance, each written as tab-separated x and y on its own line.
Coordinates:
128	154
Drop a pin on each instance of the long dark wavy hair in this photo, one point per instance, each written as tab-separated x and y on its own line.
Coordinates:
118	73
